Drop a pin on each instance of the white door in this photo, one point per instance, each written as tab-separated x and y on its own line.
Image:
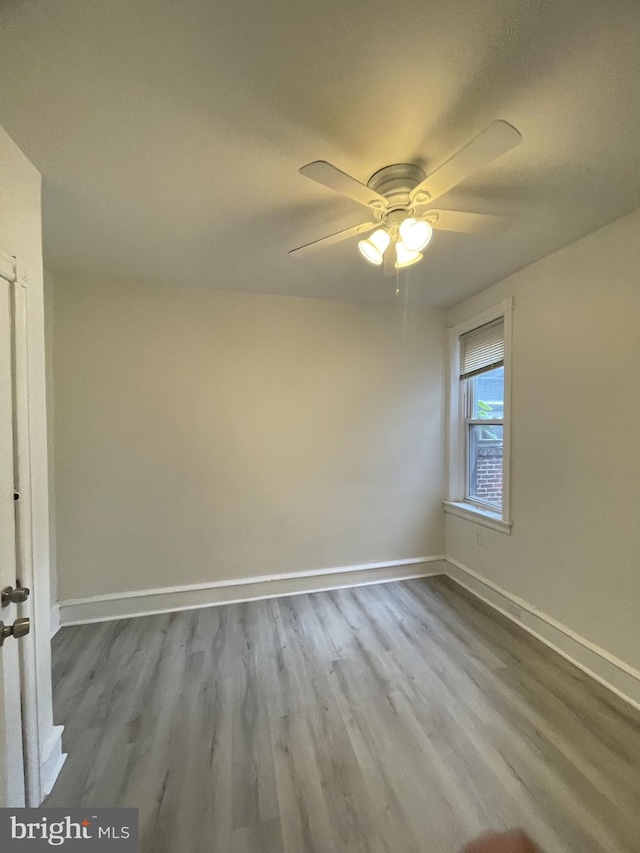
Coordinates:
12	787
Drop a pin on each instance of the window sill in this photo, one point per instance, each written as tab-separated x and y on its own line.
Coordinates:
480	516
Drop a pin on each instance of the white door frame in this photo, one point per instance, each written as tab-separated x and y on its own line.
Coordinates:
28	671
37	741
12	774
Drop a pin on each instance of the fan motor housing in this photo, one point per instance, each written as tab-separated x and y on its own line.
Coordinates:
396	182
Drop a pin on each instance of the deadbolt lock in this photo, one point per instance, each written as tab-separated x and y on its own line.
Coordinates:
20	628
9	595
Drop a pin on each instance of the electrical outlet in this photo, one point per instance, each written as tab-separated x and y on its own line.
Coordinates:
479	536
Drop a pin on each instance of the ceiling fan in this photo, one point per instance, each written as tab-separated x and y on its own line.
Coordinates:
399	198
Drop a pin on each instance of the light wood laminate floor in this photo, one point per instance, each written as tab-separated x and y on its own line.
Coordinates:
396	718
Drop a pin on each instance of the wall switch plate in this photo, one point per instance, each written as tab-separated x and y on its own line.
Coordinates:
479	536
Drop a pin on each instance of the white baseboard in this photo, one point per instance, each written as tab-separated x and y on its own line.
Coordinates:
55	619
606	668
53	759
102	608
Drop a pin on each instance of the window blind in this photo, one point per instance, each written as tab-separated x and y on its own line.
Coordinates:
482	349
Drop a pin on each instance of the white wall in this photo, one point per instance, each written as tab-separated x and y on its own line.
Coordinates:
203	436
574	551
20	235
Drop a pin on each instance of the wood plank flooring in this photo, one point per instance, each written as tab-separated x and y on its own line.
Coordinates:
397	718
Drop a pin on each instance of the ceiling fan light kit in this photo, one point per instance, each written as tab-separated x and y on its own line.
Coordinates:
400	197
409	238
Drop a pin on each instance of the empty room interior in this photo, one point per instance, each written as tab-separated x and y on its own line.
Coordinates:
319	440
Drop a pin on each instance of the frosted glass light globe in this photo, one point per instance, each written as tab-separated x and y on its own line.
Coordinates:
374	248
406	257
415	234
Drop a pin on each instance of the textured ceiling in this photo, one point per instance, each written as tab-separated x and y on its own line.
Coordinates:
169	134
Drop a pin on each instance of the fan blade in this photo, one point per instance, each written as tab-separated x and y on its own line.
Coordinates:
329	176
467	223
497	139
323	242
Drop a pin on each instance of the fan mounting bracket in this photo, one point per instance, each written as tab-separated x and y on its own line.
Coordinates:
395	183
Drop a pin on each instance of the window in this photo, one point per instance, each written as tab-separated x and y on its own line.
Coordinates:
482	390
479	402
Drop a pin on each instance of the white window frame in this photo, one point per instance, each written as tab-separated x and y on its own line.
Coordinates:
456	503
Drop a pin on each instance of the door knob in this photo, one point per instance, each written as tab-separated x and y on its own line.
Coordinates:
9	595
20	628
